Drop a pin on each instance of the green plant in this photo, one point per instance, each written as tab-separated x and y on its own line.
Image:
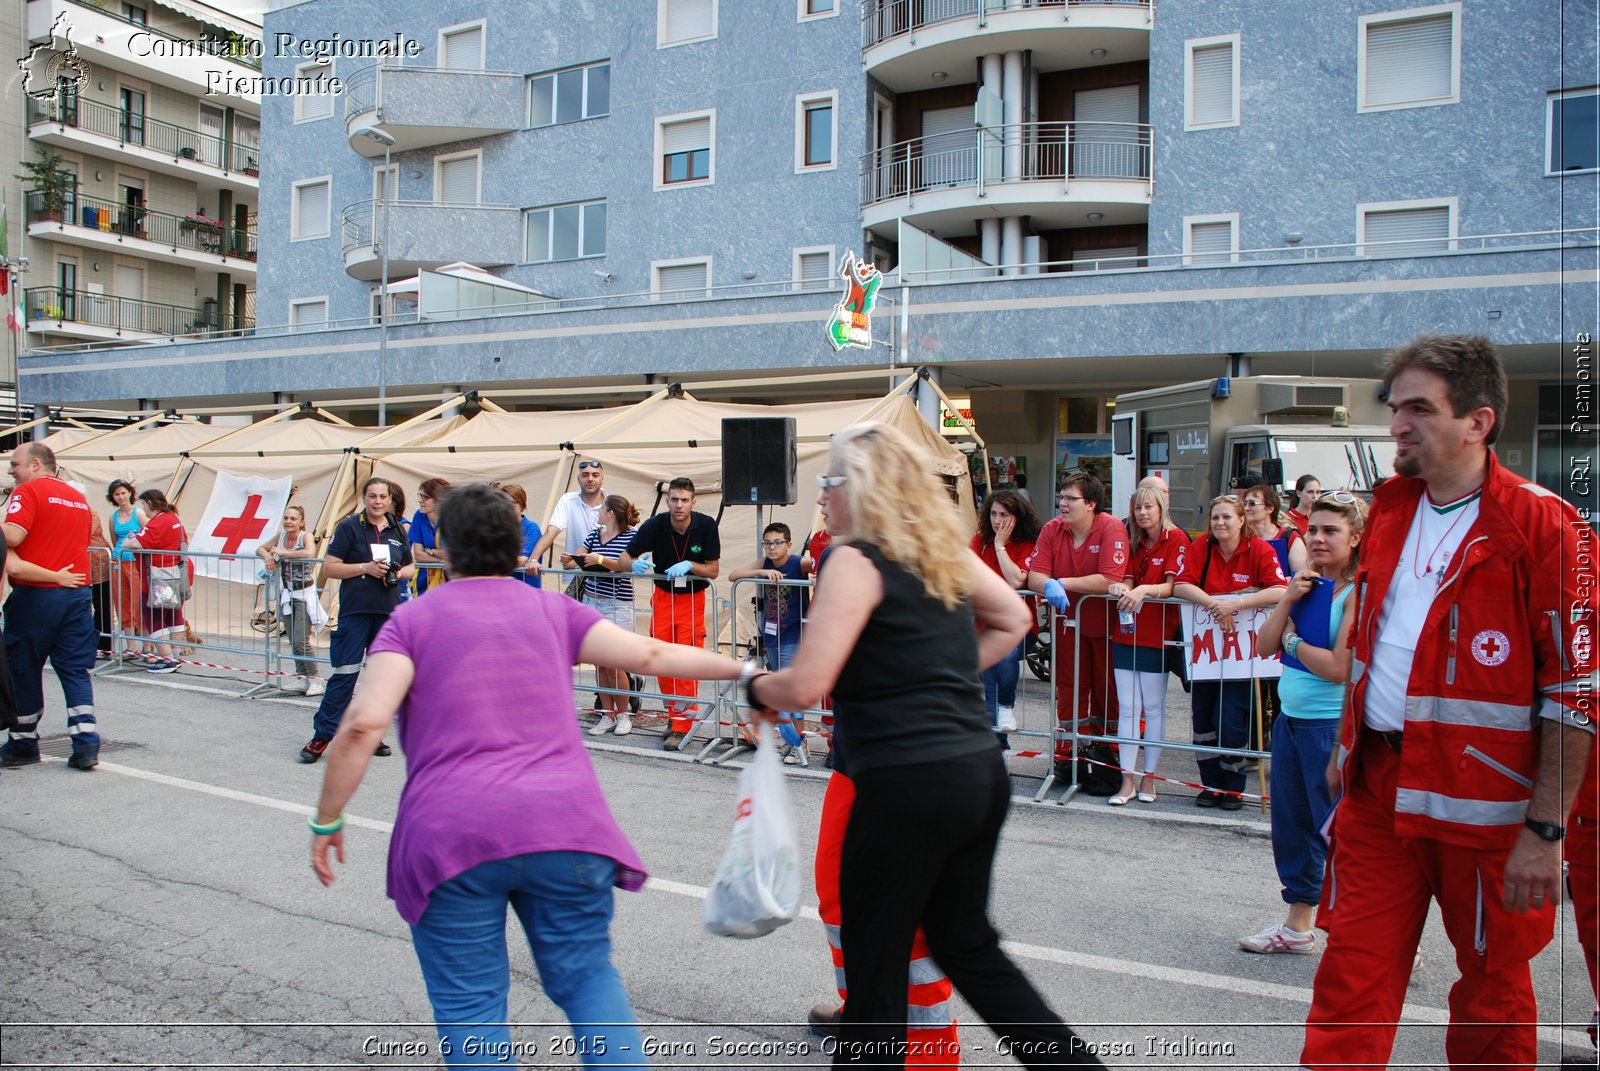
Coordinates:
50	179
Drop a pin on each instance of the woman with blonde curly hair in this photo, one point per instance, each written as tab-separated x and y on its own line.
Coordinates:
893	638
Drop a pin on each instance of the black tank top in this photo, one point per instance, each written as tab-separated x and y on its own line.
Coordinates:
909	692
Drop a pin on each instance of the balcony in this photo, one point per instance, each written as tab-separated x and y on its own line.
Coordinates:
107	318
427	106
188	240
425	234
217	65
1053	172
904	41
101	129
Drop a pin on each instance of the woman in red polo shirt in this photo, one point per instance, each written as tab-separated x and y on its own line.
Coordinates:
162	532
1138	649
1228	562
1006	533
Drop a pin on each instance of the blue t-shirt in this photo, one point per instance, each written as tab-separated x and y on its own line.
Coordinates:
782	606
424	535
1303	694
530	537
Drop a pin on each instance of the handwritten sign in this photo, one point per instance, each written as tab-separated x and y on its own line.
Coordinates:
1213	654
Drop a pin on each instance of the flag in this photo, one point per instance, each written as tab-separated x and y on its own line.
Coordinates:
19	315
5	227
5	278
242	514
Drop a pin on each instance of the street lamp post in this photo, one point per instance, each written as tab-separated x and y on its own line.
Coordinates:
386	139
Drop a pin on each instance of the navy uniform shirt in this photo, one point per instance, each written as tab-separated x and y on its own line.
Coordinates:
352	544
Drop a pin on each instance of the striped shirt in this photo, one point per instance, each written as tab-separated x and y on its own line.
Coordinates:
608	585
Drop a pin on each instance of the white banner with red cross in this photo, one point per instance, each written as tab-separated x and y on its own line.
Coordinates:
1215	655
243	513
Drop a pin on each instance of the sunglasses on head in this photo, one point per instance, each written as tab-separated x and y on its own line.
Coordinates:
588	465
1225	498
1344	498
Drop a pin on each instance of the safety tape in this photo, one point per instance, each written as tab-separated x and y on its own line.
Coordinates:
1178	781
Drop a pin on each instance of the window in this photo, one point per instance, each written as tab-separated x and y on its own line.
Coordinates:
817	9
312	106
566	232
456	178
461	47
135	14
1573	131
680	280
309	210
1210	239
678	22
816	139
132	117
1212	75
1406	228
683	147
813	268
570	95
1409	59
308	313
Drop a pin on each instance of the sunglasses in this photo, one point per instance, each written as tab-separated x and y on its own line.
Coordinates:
588	465
1225	498
1344	498
828	482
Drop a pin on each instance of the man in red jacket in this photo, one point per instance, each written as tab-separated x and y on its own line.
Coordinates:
1469	724
1583	873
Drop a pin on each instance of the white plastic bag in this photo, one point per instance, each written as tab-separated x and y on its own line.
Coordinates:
757	887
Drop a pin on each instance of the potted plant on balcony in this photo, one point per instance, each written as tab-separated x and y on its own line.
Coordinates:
51	181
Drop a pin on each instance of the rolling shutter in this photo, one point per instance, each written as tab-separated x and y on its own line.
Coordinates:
1410	61
1211	92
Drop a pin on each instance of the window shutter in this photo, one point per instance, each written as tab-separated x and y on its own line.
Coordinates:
1105	259
313	217
687	19
1210	243
1211	94
686	137
814	273
458	181
308	313
682	280
1409	61
1105	144
463	50
1416	232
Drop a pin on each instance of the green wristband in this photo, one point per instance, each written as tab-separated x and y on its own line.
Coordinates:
1292	644
328	830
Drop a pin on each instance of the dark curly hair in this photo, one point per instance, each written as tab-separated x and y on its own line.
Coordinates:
479	529
1027	529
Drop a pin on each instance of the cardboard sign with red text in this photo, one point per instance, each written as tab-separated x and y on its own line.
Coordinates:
1213	654
244	512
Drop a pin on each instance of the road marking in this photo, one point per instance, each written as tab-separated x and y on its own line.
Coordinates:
1154	972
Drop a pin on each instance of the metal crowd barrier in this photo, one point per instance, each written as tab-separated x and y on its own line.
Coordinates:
1069	731
740	734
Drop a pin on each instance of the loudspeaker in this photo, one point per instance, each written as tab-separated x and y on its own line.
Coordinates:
758	461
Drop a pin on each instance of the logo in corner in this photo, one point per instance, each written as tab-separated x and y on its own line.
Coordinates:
1582	646
52	62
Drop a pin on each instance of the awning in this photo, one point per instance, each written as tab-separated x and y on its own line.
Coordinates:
244	19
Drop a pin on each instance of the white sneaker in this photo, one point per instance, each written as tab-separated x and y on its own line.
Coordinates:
624	724
316	686
795	755
1279	938
603	726
293	685
1008	720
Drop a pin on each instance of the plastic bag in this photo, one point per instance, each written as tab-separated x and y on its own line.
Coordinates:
757	887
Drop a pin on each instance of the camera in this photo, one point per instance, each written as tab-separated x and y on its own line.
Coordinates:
391	575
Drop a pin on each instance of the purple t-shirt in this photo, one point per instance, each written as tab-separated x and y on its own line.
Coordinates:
495	762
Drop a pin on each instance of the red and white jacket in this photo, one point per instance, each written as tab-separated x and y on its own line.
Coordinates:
1508	645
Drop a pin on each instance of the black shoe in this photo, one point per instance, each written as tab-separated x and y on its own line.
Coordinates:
84	760
1230	803
827	763
384	751
11	757
1208	798
313	751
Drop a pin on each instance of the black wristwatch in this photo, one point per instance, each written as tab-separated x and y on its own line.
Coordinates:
1547	830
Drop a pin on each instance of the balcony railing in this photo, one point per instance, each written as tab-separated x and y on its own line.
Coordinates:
136	221
179	142
215	41
883	19
122	315
1023	152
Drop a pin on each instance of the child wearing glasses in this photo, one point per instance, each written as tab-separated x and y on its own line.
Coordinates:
779	610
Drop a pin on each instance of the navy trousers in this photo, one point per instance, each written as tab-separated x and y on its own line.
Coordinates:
347	650
54	625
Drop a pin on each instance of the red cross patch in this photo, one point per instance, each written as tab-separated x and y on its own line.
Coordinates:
1491	647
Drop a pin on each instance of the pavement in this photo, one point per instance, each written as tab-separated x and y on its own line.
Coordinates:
161	913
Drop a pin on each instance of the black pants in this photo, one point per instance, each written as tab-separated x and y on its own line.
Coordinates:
919	849
102	612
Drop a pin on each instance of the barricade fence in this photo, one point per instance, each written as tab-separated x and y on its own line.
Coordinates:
1232	699
768	620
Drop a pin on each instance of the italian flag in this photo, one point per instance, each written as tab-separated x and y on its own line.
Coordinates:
18	317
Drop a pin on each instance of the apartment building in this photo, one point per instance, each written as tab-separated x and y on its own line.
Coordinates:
133	171
1068	198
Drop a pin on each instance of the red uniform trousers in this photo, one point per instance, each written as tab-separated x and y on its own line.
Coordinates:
1374	905
679	618
934	1044
1096	705
1583	884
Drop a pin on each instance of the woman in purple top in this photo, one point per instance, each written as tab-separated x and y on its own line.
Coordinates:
501	803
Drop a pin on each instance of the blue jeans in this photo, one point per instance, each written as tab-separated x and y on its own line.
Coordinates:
1301	748
1000	684
779	653
563	900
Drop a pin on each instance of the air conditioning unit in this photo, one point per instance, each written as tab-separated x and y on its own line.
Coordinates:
1300	397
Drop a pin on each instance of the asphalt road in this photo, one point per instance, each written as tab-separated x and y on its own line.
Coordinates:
160	913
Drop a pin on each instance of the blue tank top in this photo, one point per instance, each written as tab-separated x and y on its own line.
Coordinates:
119	532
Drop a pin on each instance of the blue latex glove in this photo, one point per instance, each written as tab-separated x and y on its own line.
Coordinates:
1055	595
678	569
643	566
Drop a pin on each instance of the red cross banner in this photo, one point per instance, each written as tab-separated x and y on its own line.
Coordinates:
1215	655
244	512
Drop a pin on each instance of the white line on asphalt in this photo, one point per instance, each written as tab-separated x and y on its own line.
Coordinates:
1154	972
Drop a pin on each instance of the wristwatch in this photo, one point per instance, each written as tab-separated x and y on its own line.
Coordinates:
1547	830
748	673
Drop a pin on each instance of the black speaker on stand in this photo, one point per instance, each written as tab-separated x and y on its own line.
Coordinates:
758	461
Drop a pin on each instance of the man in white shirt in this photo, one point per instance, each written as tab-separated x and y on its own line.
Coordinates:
576	514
